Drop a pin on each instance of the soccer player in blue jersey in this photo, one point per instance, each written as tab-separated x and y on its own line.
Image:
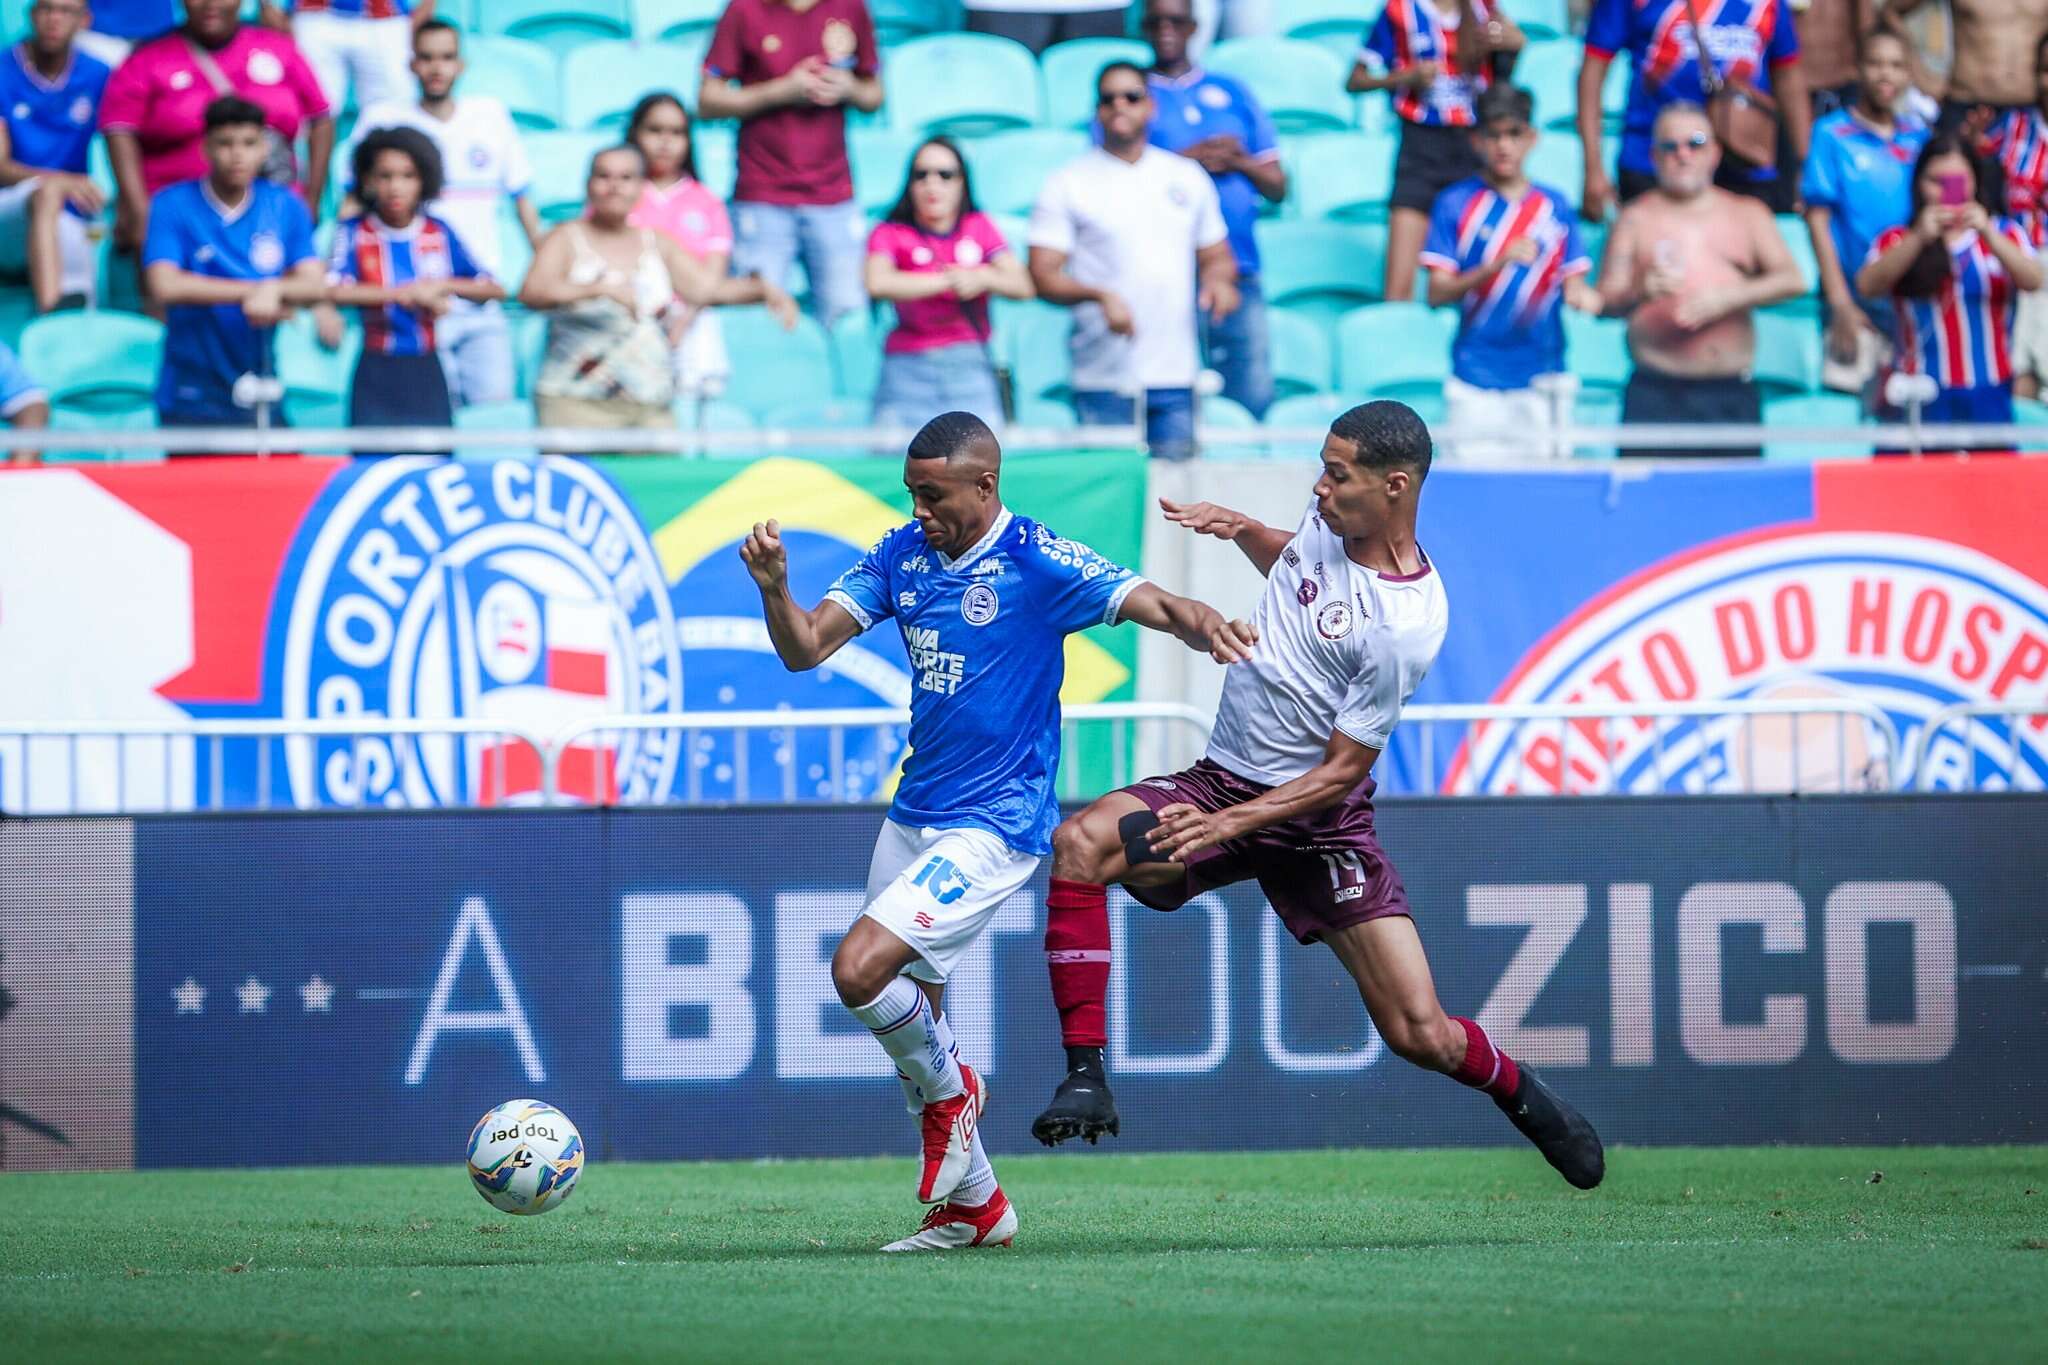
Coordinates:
228	256
985	600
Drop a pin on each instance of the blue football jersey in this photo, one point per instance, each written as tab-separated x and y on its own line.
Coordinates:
986	637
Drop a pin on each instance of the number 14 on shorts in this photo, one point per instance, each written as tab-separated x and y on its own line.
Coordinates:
1342	865
945	881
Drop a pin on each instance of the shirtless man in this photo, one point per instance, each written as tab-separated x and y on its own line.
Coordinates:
1687	264
1994	51
1829	31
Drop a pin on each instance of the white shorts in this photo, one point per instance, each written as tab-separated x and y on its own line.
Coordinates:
74	249
2030	335
937	889
1521	410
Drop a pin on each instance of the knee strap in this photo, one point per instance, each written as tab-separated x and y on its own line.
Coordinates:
1132	829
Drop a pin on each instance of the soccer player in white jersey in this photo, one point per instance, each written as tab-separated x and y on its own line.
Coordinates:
985	600
1350	621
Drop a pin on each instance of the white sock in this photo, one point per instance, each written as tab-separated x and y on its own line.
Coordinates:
978	1186
921	1043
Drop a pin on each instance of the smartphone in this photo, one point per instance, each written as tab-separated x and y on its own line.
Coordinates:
1955	189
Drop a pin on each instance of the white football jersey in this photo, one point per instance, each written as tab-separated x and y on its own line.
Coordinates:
1341	647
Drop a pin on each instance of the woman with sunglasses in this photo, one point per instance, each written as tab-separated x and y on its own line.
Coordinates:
937	258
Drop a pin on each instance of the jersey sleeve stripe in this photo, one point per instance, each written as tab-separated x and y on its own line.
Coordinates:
852	608
1116	598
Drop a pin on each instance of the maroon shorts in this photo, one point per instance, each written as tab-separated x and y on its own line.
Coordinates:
1322	872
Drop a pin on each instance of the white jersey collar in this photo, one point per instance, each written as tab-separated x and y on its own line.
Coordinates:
980	547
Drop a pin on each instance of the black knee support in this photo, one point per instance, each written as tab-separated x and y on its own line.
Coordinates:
1132	829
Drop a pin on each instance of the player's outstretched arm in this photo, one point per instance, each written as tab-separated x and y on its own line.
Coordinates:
1261	543
802	639
1183	829
1197	625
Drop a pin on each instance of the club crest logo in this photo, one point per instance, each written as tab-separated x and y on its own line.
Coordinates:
523	592
978	605
1333	622
1907	622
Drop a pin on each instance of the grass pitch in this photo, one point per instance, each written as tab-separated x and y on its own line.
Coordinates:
1716	1254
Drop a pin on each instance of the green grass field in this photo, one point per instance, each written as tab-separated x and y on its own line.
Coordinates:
1705	1254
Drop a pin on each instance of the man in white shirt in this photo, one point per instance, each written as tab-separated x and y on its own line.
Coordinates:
484	165
1351	619
1132	239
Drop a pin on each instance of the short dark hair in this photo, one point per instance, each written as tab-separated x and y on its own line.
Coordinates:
1387	435
436	26
1933	267
232	111
1121	65
947	435
426	159
647	105
1505	102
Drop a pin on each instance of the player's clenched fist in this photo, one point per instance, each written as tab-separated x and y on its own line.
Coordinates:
1205	518
765	557
1231	642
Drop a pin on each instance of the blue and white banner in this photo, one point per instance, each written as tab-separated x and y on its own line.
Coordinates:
346	988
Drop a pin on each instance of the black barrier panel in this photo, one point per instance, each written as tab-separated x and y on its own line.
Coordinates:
343	988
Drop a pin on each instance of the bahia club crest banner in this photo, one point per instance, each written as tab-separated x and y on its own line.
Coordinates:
531	594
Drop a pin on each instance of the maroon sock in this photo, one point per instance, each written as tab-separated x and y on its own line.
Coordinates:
1485	1066
1077	958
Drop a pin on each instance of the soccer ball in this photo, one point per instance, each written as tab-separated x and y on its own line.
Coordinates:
525	1156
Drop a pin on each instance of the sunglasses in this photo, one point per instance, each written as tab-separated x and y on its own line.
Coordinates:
1121	97
1669	146
934	173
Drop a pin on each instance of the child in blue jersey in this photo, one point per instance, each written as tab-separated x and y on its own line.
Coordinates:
985	600
401	266
1508	253
228	257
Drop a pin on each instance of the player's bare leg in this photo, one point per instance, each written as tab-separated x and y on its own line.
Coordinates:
1385	958
868	972
1089	852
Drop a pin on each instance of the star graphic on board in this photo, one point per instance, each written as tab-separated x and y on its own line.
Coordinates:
317	995
191	997
253	996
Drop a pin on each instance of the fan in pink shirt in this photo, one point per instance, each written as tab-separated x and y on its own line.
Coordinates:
154	111
938	259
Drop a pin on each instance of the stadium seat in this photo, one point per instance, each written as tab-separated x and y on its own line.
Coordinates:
1596	350
1309	410
880	158
1394	350
899	21
94	362
602	81
512	415
124	421
716	150
826	413
1337	27
525	75
1069	70
1597	408
1814	410
1558	162
2030	412
962	83
561	24
857	351
1799	242
1040	364
1787	354
1540	19
561	168
667	20
1321	270
1009	168
1299	350
1227	413
1044	412
1300	84
1347	176
1016	230
316	380
529	347
1549	71
714	414
772	367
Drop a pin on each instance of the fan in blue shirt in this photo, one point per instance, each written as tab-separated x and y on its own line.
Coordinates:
49	108
227	256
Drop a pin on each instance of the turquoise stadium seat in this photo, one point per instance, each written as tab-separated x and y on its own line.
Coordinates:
715	414
602	81
1300	85
1549	71
1217	411
1040	365
1597	408
1814	410
94	362
1596	350
1558	162
1299	350
1309	410
1016	230
771	367
561	168
898	21
1044	412
1540	18
857	351
511	415
667	20
962	83
1787	354
525	75
529	348
1069	70
1342	175
124	421
1799	242
1009	168
316	380
880	158
827	413
716	149
1336	26
1394	350
561	24
1321	270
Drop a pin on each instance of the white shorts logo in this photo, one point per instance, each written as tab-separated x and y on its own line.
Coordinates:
978	605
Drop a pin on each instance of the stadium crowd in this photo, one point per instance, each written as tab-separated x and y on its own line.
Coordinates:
1924	197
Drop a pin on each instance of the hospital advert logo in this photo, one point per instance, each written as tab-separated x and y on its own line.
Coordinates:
519	592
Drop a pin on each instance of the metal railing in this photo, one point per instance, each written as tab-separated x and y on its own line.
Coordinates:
1921	770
